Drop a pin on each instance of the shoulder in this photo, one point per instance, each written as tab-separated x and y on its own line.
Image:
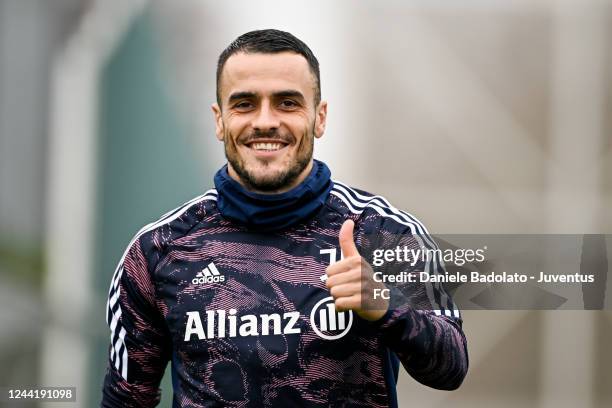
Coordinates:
174	224
368	208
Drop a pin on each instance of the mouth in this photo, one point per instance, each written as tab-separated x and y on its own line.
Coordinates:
266	145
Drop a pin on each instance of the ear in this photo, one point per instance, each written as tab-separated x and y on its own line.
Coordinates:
218	121
320	119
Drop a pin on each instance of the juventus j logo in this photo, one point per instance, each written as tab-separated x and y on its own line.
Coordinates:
328	323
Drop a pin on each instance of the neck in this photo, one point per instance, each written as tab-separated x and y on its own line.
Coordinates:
301	177
271	212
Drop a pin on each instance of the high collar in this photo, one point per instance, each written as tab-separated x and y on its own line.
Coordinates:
273	212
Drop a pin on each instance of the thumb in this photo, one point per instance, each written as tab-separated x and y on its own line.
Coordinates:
347	243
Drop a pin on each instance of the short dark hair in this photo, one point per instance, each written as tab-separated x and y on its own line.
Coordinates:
270	41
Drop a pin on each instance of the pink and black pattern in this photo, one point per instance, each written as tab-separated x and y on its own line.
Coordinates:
181	271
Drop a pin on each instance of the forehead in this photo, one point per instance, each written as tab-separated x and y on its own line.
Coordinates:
267	73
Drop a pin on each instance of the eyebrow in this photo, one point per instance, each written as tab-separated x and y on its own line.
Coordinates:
288	93
241	95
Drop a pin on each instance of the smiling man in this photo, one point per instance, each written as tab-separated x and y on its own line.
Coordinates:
270	113
260	291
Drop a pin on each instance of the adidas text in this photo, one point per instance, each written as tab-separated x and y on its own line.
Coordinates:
208	279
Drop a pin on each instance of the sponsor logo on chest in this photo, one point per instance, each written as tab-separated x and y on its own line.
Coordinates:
325	320
210	274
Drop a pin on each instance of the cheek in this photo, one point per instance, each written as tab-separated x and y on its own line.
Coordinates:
307	137
233	133
301	130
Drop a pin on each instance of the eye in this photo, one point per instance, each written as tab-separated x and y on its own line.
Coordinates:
243	105
288	104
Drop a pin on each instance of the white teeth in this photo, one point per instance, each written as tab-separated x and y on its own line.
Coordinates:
267	146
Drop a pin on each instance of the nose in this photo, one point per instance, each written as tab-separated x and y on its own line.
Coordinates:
265	119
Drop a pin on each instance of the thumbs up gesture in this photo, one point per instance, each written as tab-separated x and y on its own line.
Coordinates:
351	280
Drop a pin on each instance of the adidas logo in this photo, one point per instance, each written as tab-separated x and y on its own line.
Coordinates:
210	274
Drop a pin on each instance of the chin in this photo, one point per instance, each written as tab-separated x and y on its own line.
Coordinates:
266	178
267	171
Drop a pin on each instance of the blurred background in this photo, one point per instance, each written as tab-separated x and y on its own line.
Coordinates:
476	116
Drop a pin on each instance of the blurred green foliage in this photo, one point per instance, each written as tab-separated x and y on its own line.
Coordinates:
21	261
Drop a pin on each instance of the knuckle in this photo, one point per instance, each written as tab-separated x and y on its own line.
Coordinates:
355	259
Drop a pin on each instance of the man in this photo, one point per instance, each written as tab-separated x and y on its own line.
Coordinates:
244	288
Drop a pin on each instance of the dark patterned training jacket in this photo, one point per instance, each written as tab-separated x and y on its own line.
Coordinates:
245	318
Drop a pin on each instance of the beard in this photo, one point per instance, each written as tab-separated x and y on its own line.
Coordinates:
271	181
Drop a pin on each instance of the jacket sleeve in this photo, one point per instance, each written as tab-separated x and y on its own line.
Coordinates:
423	326
139	341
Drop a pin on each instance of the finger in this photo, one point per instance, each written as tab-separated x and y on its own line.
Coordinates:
345	265
347	242
348	303
345	290
343	278
337	268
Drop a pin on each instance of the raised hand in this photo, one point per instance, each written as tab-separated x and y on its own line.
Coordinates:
351	282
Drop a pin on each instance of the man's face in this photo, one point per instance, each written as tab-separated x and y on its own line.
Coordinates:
268	119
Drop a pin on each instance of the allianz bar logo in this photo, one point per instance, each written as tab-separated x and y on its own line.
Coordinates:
325	321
